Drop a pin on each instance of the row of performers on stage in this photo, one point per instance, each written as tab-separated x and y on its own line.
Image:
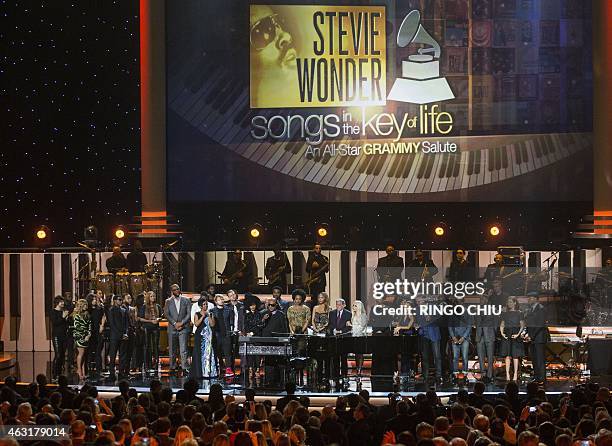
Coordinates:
101	328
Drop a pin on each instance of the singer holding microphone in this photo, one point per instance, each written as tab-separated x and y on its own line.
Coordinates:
203	360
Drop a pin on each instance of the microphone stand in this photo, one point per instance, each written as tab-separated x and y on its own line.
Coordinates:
549	268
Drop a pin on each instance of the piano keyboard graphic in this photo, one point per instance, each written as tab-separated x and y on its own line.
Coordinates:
219	108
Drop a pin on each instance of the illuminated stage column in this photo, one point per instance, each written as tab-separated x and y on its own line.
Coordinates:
602	115
153	116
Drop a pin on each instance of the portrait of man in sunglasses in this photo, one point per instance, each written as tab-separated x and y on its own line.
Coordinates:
273	54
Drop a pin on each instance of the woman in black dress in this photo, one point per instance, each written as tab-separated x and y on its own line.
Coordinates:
512	329
253	324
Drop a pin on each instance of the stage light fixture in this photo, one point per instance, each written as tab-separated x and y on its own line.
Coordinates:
440	229
119	233
494	230
256	231
322	230
41	233
42	236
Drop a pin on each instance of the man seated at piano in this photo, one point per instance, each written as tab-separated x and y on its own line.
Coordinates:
275	325
274	320
339	324
298	315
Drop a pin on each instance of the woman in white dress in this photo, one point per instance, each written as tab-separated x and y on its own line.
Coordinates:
359	325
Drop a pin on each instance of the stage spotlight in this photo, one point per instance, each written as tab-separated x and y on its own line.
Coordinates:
494	230
41	233
119	233
42	236
322	230
440	229
256	231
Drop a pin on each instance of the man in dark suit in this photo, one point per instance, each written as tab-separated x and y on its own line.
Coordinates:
339	325
537	331
486	330
223	315
390	267
118	324
275	326
237	324
178	312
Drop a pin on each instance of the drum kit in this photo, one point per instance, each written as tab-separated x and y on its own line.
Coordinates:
90	277
124	282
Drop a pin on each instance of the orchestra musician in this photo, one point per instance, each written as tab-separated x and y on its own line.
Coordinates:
276	270
317	266
494	270
421	269
235	273
117	261
136	260
390	267
459	269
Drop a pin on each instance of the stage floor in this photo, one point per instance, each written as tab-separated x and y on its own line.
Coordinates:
29	364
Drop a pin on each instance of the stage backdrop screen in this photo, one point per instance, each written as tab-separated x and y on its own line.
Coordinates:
389	100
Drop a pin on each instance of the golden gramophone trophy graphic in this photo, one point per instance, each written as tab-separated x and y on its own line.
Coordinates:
421	82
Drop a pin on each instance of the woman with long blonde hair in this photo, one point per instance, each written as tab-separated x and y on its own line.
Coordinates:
81	334
359	325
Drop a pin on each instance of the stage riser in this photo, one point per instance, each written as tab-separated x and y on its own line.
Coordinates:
29	281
